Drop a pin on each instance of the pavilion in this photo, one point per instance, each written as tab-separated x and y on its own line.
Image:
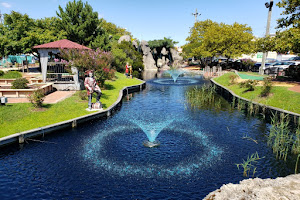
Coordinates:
54	48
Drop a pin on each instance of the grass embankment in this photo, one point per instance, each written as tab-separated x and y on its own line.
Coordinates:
11	75
20	117
280	96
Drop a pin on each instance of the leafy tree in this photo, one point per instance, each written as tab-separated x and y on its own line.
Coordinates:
288	41
208	39
79	21
125	52
291	9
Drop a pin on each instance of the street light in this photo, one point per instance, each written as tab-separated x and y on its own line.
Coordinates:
263	63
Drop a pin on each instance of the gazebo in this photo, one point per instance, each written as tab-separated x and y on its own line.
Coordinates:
54	47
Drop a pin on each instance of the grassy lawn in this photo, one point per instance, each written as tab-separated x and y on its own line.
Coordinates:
16	118
280	97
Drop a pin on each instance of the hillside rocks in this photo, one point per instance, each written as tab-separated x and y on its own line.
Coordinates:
260	189
149	62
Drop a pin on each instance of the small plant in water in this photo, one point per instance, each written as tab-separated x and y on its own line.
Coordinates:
248	165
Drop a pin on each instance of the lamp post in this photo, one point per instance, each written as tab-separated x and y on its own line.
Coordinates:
263	63
196	14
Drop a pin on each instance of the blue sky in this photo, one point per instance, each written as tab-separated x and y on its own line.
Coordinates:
155	19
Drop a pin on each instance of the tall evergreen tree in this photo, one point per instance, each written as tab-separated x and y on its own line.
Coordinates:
79	21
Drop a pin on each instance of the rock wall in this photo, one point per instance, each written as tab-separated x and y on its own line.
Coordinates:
262	189
149	62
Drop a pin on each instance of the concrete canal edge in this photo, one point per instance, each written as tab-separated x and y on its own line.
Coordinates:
229	95
41	131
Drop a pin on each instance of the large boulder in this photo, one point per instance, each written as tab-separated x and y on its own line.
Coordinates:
124	38
149	62
264	189
164	51
175	55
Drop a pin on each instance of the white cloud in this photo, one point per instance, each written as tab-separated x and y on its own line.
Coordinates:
6	5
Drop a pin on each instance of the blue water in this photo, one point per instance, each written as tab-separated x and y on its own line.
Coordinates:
107	160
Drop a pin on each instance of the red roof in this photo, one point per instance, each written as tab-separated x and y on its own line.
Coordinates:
61	44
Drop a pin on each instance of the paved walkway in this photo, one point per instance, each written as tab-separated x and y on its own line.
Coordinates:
295	88
54	97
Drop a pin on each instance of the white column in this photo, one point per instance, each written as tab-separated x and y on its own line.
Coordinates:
44	62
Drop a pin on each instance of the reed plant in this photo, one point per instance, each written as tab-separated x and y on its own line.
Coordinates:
204	97
284	139
248	165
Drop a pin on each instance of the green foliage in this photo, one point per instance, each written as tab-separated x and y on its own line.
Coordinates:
249	85
266	88
37	98
159	44
208	38
79	21
20	83
99	61
125	52
248	165
11	75
1	73
136	74
291	9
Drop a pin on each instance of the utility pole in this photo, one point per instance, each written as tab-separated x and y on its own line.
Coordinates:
263	63
196	14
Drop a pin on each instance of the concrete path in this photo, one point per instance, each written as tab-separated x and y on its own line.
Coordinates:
54	97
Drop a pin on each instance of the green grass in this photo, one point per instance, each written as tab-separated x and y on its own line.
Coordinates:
11	75
280	97
16	118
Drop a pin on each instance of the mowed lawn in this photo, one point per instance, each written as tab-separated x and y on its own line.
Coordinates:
280	96
20	117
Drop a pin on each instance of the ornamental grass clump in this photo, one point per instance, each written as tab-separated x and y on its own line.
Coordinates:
283	139
20	83
249	85
37	98
266	88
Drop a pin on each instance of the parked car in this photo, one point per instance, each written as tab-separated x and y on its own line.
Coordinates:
277	67
257	65
295	59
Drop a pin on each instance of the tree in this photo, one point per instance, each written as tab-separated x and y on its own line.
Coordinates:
291	9
208	39
79	21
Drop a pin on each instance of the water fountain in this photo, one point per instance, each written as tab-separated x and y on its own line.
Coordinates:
175	73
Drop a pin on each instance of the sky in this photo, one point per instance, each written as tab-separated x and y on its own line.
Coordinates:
156	19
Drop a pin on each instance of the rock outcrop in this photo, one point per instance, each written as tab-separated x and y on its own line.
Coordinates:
124	38
262	189
175	55
149	62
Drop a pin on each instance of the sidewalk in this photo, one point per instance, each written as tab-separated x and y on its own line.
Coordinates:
49	99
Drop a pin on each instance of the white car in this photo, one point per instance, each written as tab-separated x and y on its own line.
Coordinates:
274	68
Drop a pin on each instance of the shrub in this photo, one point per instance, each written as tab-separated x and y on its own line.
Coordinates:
249	84
83	95
136	74
37	98
267	86
20	83
232	79
1	73
294	72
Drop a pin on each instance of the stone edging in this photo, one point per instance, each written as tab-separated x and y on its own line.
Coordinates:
225	92
41	131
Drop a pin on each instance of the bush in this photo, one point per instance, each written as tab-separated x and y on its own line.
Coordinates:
249	84
37	98
136	74
83	95
1	73
293	72
232	79
267	86
20	83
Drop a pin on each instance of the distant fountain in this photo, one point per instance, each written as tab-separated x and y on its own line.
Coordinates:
175	73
